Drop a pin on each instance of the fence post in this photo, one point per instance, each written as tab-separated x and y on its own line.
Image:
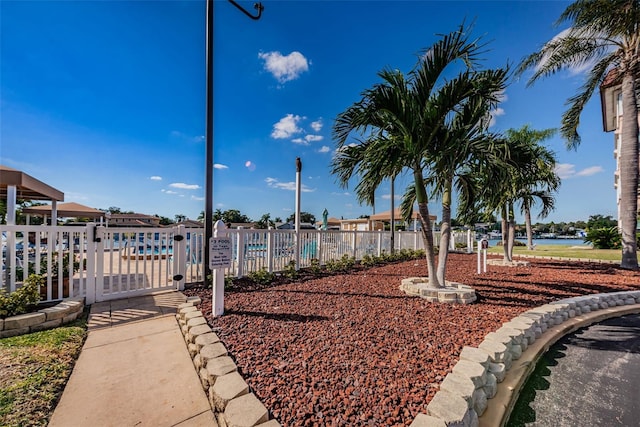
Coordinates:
219	230
179	256
355	241
239	251
270	250
98	238
469	242
90	293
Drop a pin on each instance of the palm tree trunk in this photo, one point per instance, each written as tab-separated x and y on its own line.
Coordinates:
527	222
505	230
445	233
511	232
427	232
629	173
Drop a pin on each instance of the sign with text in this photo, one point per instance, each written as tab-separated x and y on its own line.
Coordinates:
219	252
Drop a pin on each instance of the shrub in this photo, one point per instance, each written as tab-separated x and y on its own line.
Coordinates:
25	297
228	283
604	238
290	271
347	262
333	266
262	276
368	261
315	267
54	264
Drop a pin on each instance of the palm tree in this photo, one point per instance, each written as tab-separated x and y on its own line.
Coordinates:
604	35
539	185
526	175
401	121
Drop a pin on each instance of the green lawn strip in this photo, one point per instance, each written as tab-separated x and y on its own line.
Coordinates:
564	251
34	370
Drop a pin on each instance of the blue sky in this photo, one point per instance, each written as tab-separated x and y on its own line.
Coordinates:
105	100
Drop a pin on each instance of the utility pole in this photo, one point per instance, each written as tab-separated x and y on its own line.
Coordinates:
208	185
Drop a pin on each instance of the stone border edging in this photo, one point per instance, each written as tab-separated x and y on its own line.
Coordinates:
489	371
62	313
231	400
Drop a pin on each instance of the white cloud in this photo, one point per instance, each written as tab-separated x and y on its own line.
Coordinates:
286	127
346	193
317	125
291	185
183	186
284	68
388	196
155	178
250	165
574	68
197	198
313	138
308	139
591	170
182	135
169	191
220	166
324	149
495	113
568	171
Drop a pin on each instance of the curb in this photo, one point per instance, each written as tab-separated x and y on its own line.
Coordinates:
486	382
47	318
230	397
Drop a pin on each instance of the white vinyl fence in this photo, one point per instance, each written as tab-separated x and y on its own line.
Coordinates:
101	263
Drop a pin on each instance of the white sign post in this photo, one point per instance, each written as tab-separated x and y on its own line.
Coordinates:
482	253
219	259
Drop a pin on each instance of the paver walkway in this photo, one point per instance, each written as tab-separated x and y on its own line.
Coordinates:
134	370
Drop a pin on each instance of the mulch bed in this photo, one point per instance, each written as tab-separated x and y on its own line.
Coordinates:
354	350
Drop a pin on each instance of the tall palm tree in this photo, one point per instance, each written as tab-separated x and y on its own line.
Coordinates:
604	35
526	175
401	120
542	181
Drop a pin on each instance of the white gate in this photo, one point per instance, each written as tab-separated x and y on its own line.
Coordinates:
93	261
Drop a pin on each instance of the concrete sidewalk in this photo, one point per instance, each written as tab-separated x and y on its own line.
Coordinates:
134	370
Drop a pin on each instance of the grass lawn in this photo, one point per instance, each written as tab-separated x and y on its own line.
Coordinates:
34	369
564	251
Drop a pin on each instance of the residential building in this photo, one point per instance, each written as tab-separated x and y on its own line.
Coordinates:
611	100
133	220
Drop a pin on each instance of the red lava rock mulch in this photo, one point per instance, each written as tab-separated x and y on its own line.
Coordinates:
354	350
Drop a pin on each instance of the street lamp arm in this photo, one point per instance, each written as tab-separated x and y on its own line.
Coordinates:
257	6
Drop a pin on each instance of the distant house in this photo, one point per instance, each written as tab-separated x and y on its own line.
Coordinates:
133	220
241	225
292	226
361	224
191	223
332	224
377	221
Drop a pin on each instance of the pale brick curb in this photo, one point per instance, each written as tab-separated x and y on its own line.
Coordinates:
466	393
64	312
230	397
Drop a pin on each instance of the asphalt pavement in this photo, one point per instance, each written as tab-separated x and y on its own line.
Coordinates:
588	378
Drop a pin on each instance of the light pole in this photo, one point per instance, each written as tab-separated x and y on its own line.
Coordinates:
208	185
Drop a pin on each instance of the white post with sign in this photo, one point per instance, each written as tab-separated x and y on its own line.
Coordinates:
483	245
219	259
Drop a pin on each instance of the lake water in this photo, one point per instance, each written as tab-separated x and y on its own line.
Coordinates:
568	242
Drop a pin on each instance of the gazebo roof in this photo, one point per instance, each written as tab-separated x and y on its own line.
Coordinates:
65	210
27	187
